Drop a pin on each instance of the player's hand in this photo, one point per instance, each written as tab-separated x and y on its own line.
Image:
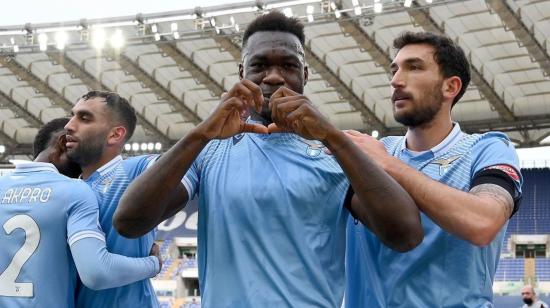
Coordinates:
293	112
229	118
374	148
155	251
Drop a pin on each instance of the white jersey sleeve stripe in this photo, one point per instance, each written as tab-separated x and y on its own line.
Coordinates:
188	185
84	234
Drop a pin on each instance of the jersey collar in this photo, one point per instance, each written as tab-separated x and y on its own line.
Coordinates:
32	166
452	138
105	168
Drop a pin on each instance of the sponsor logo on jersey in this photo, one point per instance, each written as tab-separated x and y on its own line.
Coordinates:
237	138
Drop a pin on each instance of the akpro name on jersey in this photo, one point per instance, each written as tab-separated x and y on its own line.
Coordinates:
26	195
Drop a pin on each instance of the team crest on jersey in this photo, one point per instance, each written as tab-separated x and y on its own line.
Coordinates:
106	183
237	138
445	163
314	148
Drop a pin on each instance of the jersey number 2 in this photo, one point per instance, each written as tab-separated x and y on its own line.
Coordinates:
8	286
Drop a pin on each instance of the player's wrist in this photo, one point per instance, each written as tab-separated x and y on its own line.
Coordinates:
158	264
200	133
335	139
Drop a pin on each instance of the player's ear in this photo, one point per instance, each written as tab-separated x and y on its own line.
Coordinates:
117	135
61	144
451	87
57	147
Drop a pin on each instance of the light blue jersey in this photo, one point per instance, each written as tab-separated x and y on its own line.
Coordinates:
272	221
444	270
109	183
41	211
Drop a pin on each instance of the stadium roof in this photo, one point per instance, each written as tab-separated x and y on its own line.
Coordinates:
173	66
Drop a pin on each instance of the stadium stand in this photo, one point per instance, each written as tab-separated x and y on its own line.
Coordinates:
532	222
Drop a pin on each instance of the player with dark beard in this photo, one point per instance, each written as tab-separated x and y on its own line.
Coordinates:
466	186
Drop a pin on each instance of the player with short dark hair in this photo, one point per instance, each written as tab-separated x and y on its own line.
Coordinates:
273	204
100	124
467	186
50	230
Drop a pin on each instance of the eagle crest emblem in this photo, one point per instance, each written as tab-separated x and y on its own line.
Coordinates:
445	163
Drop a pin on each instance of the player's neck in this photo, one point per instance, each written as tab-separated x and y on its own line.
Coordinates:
428	135
43	157
256	117
88	170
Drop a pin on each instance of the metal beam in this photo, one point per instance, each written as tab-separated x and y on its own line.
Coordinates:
365	42
35	82
148	81
352	28
21	110
343	90
227	43
422	17
78	71
513	22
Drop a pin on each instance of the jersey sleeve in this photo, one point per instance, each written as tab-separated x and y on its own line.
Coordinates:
98	269
495	151
191	179
83	214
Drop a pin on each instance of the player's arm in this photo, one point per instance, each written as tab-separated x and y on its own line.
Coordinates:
151	197
99	269
476	215
379	202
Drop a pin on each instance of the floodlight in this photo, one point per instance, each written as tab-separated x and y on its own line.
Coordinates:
117	39
43	41
61	40
378	7
98	38
287	11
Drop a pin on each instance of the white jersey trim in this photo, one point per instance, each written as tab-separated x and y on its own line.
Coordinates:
85	234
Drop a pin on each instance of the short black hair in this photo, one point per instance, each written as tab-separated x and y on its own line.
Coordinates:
275	21
45	134
450	57
120	107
